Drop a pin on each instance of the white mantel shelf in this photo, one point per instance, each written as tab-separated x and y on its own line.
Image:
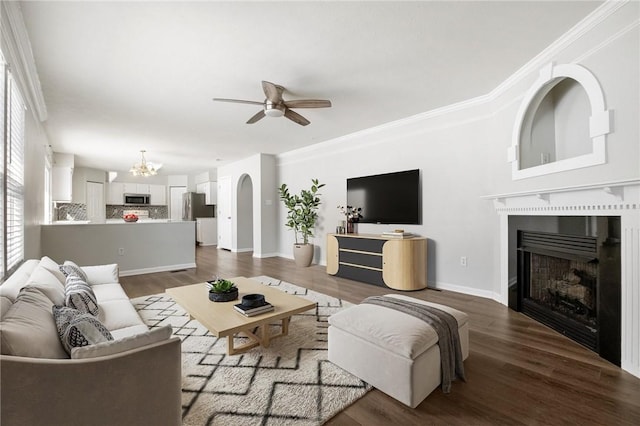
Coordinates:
607	187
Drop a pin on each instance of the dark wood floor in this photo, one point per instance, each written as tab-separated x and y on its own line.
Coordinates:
518	371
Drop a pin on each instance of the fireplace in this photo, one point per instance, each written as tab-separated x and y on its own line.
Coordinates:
571	281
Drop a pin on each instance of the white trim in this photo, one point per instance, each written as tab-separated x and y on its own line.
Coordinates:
263	255
241	250
485	294
605	186
15	39
167	268
599	126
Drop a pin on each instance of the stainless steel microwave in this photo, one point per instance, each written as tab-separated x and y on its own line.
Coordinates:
136	199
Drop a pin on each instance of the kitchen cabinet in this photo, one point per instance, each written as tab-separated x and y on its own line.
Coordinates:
130	188
114	193
62	182
158	195
210	191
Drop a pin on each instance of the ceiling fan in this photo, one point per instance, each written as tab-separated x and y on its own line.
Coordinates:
275	106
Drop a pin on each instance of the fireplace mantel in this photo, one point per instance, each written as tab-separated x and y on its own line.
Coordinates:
615	198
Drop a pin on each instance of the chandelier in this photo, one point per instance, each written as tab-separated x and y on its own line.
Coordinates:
143	168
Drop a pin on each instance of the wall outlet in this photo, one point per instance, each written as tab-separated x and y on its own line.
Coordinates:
121	251
463	261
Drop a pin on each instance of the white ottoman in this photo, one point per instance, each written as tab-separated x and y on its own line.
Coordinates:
394	352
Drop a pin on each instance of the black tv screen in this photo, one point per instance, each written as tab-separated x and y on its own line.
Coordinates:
390	198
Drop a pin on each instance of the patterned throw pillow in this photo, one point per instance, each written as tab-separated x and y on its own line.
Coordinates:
79	295
70	268
78	329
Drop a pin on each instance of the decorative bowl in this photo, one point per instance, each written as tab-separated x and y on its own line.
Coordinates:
130	219
253	300
224	297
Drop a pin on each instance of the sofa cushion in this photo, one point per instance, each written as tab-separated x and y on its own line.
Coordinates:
47	282
132	330
399	333
79	295
117	314
128	343
101	274
5	304
76	328
108	292
28	328
70	268
53	267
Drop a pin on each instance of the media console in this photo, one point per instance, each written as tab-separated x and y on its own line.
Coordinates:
396	263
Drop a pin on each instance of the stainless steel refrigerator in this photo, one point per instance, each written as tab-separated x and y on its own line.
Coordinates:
193	206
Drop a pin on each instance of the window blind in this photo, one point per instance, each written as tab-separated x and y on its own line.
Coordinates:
2	156
14	177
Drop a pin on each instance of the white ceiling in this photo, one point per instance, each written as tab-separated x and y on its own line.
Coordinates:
119	77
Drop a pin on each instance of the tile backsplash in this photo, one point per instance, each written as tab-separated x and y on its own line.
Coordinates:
155	212
77	211
70	211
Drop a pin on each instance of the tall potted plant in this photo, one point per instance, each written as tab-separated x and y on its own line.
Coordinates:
302	215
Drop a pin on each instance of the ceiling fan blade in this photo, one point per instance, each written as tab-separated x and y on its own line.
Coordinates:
238	101
258	116
273	92
294	116
308	103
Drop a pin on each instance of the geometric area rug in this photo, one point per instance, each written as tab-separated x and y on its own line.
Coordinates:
289	383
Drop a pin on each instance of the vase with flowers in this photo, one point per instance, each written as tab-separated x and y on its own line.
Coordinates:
352	215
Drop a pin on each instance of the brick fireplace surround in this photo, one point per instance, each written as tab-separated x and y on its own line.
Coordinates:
619	198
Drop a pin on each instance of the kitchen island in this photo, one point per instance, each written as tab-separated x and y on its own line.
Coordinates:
138	248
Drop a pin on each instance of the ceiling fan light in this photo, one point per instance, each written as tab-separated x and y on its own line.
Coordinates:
274	113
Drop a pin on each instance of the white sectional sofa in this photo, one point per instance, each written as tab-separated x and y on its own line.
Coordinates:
133	379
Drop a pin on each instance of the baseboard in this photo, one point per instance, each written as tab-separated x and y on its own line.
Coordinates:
241	250
156	269
486	294
263	255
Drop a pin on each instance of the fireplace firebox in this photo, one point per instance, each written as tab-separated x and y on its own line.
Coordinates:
571	283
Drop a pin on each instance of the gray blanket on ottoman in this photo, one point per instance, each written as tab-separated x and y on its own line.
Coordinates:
446	328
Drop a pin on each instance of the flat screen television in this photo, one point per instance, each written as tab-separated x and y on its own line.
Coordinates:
390	198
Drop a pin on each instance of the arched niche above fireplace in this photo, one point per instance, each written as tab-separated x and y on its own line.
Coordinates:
561	124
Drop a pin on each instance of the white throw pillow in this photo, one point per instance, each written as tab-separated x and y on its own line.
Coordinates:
51	266
48	283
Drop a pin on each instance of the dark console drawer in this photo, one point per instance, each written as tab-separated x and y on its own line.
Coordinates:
371	260
363	244
368	276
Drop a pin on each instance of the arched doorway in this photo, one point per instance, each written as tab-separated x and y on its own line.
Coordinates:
245	214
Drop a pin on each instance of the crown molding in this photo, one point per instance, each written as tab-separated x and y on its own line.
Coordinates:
18	53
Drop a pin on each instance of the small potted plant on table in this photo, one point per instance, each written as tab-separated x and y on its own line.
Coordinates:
222	290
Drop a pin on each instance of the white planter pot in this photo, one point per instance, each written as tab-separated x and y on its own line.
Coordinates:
303	254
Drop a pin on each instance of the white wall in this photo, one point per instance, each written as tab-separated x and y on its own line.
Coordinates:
462	154
261	169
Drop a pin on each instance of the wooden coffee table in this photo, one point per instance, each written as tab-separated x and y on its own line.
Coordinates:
222	320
